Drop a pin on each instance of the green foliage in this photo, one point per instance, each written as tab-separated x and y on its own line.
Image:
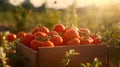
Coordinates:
69	15
49	17
95	63
105	21
66	61
3	56
7	50
112	38
20	16
26	20
72	52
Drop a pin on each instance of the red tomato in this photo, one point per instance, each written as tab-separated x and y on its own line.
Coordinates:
74	27
41	29
44	29
48	44
74	41
97	39
57	40
70	34
40	34
60	28
84	30
53	33
27	39
35	44
11	37
86	41
21	34
36	29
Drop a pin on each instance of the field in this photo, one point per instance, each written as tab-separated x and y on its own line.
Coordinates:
104	21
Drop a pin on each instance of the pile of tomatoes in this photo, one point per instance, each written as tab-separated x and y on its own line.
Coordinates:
60	35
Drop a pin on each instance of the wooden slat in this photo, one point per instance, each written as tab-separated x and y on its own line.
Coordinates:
27	56
51	57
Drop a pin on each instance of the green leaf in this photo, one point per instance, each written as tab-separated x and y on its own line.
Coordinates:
88	64
82	65
97	65
66	61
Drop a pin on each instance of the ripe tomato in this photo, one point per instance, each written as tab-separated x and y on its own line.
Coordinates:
86	41
40	34
57	40
74	41
27	39
74	27
21	34
11	37
48	44
36	29
84	30
44	29
53	33
70	34
35	44
96	39
41	29
60	28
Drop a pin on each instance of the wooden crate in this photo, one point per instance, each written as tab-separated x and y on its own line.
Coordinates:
52	57
27	56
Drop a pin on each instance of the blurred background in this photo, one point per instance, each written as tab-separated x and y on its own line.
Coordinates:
18	15
100	16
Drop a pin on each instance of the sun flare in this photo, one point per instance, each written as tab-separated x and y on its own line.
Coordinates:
82	3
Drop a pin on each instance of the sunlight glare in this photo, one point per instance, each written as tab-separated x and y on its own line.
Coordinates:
61	4
83	3
37	3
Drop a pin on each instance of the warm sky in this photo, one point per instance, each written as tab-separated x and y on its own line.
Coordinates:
80	3
65	3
